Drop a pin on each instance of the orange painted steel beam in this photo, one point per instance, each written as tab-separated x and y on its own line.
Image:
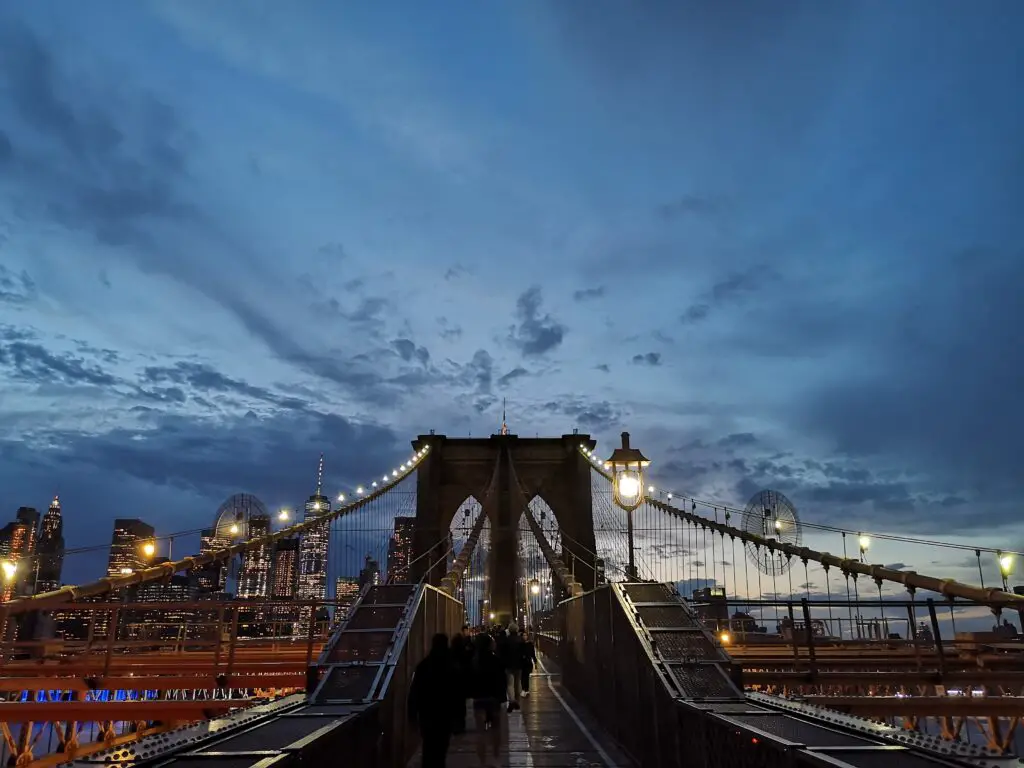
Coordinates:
102	711
924	706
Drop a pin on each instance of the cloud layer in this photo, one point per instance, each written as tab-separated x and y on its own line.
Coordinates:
230	241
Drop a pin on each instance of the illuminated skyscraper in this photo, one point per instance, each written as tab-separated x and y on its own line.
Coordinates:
286	568
346	590
370	573
254	577
212	577
400	550
312	583
126	553
17	546
50	549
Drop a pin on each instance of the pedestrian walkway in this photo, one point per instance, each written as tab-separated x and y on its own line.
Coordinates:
550	731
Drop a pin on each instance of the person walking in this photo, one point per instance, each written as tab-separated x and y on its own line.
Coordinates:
528	660
488	690
511	653
433	701
462	658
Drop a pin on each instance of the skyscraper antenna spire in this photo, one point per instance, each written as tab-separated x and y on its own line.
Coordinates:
504	424
320	476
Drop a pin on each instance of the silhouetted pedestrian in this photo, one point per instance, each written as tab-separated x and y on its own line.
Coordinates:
433	700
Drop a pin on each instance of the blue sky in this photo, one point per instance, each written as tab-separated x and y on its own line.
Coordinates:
782	246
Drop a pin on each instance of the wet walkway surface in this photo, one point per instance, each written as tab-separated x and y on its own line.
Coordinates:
550	731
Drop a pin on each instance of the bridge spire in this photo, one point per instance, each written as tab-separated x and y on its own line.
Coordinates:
504	424
320	476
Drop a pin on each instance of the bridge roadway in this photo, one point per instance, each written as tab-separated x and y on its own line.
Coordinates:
550	731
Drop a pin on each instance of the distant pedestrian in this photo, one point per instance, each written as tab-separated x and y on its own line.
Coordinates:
528	656
488	690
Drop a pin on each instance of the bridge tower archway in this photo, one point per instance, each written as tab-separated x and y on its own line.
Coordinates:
457	467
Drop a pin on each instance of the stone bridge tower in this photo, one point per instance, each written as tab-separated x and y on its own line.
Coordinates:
458	467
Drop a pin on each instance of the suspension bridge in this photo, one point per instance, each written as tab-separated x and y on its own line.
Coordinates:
678	632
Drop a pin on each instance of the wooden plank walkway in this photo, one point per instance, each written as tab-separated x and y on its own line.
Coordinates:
550	731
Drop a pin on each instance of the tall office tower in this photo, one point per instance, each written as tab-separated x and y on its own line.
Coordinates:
212	577
346	591
286	568
312	580
126	553
370	573
254	577
17	547
50	549
400	550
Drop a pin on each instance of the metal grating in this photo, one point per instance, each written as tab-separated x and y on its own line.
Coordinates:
276	734
392	593
665	616
677	646
361	646
369	617
703	681
648	593
885	757
800	731
348	683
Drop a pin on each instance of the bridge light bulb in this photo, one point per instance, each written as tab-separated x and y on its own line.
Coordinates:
669	495
149	549
394	473
865	543
126	571
1006	564
234	529
341	497
360	490
10	568
778	525
627	465
373	484
403	467
725	638
650	489
283	515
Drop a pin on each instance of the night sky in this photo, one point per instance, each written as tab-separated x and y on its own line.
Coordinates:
780	243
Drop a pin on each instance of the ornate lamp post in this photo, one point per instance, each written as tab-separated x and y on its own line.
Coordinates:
627	466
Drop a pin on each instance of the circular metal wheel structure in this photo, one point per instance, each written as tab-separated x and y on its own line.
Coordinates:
232	521
772	516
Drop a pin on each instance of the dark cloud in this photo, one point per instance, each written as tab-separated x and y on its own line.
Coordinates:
585	294
16	287
536	333
202	378
592	416
729	290
409	352
515	373
649	358
32	363
603	367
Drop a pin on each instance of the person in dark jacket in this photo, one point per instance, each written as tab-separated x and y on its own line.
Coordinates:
529	660
433	698
511	653
488	691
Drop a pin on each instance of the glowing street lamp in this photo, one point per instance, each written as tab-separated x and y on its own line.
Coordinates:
149	549
9	568
534	587
865	545
1005	569
627	467
283	515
